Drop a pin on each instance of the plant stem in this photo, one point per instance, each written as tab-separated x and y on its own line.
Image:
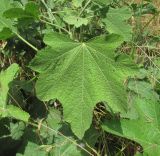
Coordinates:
20	37
50	14
48	11
84	7
56	26
25	41
61	134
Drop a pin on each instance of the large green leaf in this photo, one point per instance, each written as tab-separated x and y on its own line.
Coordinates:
145	130
116	22
81	75
5	4
33	9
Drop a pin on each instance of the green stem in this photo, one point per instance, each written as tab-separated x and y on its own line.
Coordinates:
20	37
83	9
25	41
61	134
56	26
50	14
48	11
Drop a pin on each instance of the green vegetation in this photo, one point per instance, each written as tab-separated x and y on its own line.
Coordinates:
79	78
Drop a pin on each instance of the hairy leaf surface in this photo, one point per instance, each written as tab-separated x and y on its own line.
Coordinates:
81	75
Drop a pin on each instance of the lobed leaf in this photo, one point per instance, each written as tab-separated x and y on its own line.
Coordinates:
81	75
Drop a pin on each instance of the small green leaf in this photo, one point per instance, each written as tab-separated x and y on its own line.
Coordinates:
7	25
116	22
6	28
5	78
143	89
17	130
5	33
52	121
32	9
76	21
15	112
106	2
77	3
91	136
16	13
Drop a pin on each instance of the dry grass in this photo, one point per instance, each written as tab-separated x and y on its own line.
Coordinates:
154	25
